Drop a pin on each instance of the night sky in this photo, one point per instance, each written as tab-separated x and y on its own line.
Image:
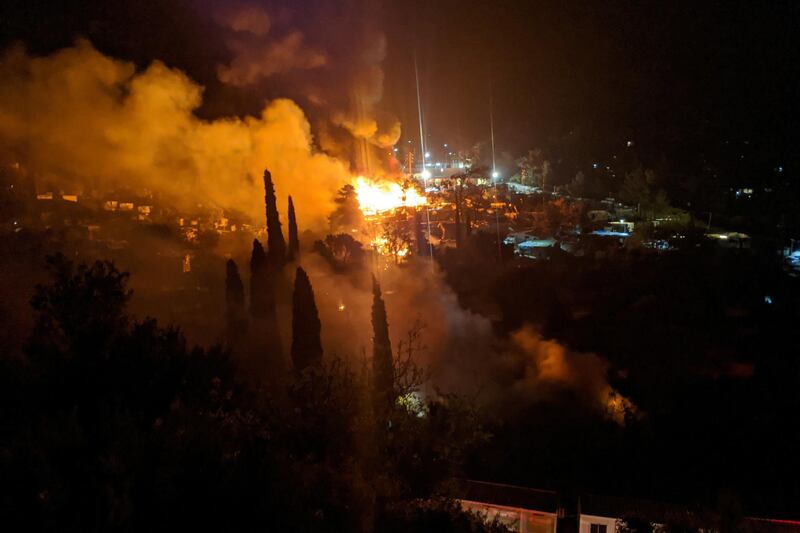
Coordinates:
677	78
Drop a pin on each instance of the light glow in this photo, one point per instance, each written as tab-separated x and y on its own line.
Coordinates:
376	197
384	247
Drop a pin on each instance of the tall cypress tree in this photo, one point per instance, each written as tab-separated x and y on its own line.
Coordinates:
276	245
264	329
235	319
262	300
382	368
294	241
306	343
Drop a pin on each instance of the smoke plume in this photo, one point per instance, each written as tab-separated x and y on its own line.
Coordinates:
329	54
536	367
457	347
80	120
257	55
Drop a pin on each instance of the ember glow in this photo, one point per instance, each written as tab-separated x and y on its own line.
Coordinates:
378	197
388	248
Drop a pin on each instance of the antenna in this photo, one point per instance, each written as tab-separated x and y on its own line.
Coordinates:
495	175
422	154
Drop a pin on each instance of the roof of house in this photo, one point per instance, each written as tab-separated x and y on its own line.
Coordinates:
545	501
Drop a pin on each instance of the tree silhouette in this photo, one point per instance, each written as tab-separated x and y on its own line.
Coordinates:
262	297
294	241
382	367
306	343
276	245
347	214
341	251
110	423
235	319
264	328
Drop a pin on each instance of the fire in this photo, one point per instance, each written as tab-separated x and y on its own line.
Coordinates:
387	247
378	197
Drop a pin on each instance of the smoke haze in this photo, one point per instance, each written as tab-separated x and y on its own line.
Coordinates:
81	120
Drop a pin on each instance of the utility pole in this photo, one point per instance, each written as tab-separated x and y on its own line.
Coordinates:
422	154
495	175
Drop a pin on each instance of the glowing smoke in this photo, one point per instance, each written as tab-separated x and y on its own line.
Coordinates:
257	54
460	349
81	120
331	54
544	365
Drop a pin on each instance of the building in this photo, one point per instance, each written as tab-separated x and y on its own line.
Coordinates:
526	510
519	509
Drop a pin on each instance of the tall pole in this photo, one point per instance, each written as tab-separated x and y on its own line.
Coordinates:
494	174
422	153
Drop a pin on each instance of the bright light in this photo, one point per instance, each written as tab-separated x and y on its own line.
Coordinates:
426	174
378	197
384	247
427	155
495	174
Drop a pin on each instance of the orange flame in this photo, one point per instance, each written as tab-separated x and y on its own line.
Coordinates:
378	197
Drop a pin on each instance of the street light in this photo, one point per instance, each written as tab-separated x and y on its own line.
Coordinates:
495	174
426	174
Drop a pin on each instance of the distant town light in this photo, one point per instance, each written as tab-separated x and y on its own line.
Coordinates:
630	143
594	165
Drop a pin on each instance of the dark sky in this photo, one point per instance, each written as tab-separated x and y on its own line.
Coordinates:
588	74
655	72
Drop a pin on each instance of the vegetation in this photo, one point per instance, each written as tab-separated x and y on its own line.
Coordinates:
114	423
275	241
294	241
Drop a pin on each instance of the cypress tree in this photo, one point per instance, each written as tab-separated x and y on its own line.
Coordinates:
306	343
264	327
235	319
294	242
262	300
382	368
276	245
